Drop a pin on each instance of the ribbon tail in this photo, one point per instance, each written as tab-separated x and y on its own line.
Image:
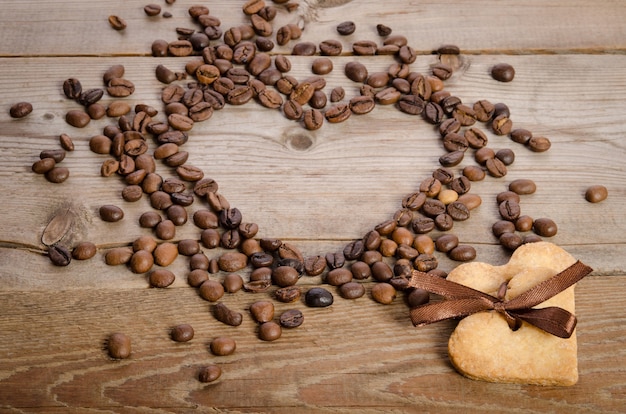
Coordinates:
448	309
553	320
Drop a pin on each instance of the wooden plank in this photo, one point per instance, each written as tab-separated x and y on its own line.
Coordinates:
73	27
60	362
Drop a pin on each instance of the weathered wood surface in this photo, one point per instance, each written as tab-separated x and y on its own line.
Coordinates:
318	190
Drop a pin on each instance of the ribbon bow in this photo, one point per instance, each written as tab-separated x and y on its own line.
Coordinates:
463	301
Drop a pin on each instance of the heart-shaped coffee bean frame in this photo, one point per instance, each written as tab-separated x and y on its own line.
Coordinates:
223	77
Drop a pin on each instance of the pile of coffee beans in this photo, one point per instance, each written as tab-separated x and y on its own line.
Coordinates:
233	66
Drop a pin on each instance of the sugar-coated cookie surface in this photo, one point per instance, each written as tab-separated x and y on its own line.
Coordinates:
483	346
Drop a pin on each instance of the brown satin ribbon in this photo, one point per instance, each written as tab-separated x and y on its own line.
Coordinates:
463	301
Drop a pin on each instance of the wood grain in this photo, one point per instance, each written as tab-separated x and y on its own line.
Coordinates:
316	190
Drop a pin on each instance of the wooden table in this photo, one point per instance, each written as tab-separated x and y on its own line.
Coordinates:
317	190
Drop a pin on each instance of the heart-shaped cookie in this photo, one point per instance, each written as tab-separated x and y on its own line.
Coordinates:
484	347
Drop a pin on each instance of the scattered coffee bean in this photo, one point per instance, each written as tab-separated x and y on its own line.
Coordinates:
503	72
59	255
223	346
227	316
111	213
117	22
346	28
119	345
182	333
596	193
20	109
352	290
161	278
209	373
545	227
318	298
262	311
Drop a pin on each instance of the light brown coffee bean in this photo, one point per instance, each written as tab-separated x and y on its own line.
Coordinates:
352	290
165	254
223	346
119	345
227	316
211	290
270	331
383	293
84	251
262	311
141	261
596	193
161	278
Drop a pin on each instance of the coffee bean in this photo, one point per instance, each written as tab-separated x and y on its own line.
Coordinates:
227	316
351	290
72	88
471	201
360	270
484	110
501	125
462	253
507	156
285	276
77	118
523	186
288	294
521	136
223	346
318	298
43	165
161	278
503	72
596	193
510	241
314	265
262	311
211	372
165	254
59	255
524	223
141	261
502	226
111	213
458	211
507	195
197	277
152	9
291	318
119	345
539	144
545	227
446	242
330	47
451	159
120	87
346	28
383	293
57	175
270	331
211	290
232	261
509	210
84	251
118	256
117	22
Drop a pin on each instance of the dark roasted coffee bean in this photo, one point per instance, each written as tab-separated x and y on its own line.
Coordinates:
444	222
458	211
120	87
356	71
304	49
524	223
72	88
462	253
59	255
510	241
503	72
111	213
84	251
425	262
545	227
318	298
501	125
521	136
381	271
509	210
446	242
417	297
313	119
346	28
77	118
422	224
57	175
496	167
182	333
502	226
291	318
507	156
